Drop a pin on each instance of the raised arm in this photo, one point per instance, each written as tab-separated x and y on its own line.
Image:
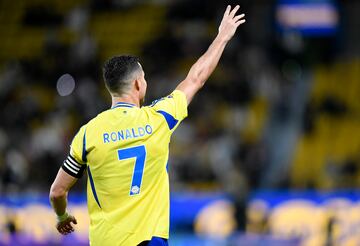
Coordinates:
206	64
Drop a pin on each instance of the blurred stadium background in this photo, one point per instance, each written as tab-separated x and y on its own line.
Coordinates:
270	152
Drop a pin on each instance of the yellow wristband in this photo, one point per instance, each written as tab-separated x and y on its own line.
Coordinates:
61	218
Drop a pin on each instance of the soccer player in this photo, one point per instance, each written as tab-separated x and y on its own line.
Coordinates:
125	151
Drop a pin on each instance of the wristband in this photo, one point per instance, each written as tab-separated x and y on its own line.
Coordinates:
61	218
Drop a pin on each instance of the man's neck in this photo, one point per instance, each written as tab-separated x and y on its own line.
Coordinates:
126	99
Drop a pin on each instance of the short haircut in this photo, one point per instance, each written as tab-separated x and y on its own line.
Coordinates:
119	72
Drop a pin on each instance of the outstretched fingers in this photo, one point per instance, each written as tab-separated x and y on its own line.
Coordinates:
233	12
227	11
238	17
239	22
230	22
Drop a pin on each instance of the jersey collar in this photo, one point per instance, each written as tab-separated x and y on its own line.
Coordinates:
124	105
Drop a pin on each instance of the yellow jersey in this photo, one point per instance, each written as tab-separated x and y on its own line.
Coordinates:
125	151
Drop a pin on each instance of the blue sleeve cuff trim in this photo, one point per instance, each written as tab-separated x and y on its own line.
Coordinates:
170	120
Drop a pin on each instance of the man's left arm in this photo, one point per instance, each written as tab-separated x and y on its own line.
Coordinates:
58	199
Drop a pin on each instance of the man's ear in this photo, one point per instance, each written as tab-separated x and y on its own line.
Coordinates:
137	84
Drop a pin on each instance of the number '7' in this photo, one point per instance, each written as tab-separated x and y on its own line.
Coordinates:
139	153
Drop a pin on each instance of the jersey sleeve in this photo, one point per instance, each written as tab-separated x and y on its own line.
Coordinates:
172	107
75	163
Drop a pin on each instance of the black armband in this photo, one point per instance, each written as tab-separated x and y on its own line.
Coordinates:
73	168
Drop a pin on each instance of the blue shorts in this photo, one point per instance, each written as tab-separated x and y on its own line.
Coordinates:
155	241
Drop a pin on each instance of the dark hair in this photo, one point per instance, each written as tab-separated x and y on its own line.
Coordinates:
118	72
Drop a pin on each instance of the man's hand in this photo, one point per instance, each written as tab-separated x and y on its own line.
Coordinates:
205	65
65	227
230	23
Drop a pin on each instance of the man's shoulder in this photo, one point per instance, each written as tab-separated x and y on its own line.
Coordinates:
101	116
93	122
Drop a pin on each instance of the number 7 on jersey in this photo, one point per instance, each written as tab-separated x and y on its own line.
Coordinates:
139	153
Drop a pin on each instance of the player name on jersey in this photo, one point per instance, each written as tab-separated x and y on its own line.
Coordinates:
127	134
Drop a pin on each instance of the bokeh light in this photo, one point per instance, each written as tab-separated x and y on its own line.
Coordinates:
65	85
